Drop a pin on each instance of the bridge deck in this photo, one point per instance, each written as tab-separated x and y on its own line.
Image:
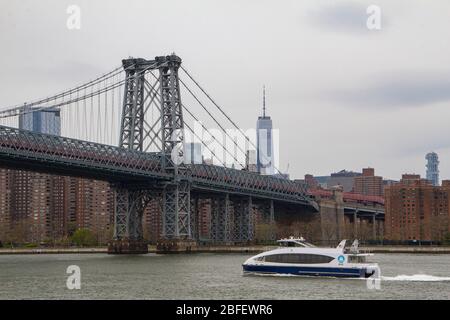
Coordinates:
23	149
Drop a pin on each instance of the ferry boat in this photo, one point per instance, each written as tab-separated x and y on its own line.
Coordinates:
295	256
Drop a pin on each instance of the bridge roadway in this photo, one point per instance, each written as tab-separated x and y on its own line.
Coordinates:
22	149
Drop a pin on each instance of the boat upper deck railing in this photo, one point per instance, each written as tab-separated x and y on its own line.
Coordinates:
295	242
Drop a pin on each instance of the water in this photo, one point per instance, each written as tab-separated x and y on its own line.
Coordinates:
210	276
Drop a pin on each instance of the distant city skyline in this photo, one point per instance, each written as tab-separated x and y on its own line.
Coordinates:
339	178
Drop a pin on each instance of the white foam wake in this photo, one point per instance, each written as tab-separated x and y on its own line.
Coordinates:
415	277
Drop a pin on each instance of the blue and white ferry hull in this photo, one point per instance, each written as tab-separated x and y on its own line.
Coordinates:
309	271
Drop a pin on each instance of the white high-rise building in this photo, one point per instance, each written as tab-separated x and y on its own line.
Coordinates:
250	161
264	140
432	168
193	153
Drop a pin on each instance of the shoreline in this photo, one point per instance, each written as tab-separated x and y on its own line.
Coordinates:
223	249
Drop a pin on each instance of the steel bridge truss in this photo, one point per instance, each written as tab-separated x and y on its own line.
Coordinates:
163	133
247	183
220	225
244	214
50	153
129	210
54	154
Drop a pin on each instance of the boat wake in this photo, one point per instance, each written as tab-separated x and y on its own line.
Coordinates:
415	277
401	277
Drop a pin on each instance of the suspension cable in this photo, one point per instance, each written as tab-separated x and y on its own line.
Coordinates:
98	92
62	94
223	113
206	129
212	152
212	117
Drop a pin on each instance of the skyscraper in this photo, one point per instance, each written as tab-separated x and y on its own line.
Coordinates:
432	168
42	121
193	153
250	161
264	140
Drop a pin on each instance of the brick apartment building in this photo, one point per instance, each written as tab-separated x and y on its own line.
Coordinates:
94	207
5	200
35	205
417	210
152	223
368	184
39	208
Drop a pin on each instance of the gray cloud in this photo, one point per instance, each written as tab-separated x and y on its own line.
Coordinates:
425	147
343	17
406	90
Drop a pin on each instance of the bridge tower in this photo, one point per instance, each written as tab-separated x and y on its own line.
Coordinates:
159	94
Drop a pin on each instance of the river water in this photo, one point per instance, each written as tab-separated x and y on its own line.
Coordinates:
210	276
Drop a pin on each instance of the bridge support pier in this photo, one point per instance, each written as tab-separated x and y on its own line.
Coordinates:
127	246
176	211
220	219
243	220
128	234
177	234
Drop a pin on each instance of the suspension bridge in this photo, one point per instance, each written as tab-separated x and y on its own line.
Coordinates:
130	127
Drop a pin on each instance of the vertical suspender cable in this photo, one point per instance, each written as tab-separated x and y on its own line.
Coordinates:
105	137
85	124
98	122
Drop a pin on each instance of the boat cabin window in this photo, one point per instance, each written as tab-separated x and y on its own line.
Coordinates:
356	259
289	244
298	258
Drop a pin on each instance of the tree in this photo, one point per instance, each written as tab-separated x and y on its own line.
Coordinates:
83	237
447	239
71	228
265	232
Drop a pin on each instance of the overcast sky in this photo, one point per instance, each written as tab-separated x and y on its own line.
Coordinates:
342	96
